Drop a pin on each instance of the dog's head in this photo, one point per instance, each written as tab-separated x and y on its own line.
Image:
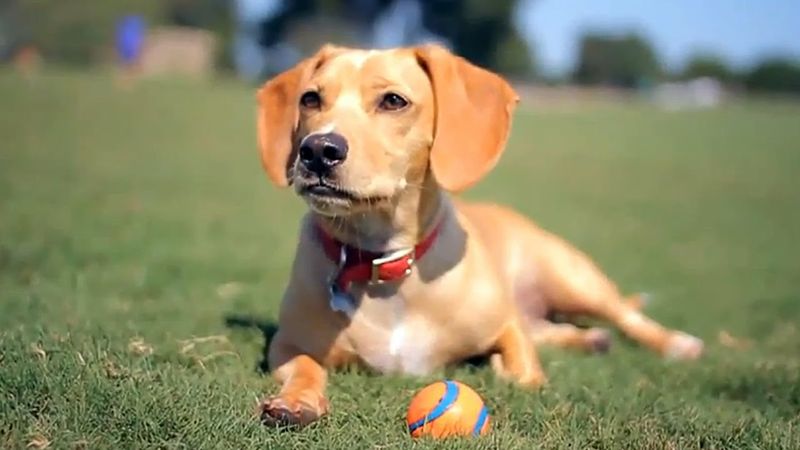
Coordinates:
352	129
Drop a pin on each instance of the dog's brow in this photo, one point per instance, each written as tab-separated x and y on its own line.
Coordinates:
380	82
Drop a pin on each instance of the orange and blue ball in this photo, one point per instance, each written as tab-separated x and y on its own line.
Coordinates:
447	408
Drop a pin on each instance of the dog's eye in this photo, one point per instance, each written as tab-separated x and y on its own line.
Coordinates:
392	102
311	100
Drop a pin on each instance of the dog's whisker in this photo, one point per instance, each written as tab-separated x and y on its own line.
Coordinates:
419	187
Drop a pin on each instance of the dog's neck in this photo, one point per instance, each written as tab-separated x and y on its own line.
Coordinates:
414	214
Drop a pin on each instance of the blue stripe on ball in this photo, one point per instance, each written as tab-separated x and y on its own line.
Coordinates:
481	421
447	400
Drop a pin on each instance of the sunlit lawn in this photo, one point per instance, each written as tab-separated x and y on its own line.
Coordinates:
142	251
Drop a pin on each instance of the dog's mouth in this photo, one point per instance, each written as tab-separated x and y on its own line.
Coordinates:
325	196
326	191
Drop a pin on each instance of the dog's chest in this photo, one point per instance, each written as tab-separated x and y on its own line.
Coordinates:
391	338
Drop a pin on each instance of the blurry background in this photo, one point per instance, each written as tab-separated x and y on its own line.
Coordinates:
730	45
143	254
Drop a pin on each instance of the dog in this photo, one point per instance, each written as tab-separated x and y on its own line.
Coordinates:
393	274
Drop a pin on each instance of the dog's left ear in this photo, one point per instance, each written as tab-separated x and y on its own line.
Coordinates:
278	113
473	117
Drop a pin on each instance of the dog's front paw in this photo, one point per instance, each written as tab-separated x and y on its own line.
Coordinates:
683	346
293	410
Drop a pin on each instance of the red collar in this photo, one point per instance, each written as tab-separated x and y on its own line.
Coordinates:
356	265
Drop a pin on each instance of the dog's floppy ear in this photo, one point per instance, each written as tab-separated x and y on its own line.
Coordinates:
473	117
278	114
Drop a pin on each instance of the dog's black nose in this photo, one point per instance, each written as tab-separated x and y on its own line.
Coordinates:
320	152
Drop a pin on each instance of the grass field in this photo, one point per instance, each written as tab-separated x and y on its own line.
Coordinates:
143	254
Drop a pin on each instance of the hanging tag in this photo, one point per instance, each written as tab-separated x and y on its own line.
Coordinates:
340	300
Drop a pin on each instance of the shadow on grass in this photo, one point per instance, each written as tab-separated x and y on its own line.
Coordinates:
772	390
268	328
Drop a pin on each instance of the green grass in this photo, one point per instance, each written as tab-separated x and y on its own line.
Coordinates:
138	221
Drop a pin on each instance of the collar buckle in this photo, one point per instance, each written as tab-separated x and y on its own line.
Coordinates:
375	274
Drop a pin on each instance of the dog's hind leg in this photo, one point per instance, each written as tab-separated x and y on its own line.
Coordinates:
569	336
574	285
607	304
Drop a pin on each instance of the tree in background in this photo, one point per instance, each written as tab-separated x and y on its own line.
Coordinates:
624	61
481	31
707	64
774	75
514	58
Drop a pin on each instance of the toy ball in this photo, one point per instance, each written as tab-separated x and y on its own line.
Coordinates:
447	408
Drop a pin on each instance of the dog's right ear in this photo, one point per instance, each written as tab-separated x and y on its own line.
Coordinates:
278	114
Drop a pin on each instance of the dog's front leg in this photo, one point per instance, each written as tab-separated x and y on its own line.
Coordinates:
515	357
301	399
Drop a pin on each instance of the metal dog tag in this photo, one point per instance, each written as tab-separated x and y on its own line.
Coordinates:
340	300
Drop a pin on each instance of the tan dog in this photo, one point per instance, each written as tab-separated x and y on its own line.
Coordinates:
390	272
